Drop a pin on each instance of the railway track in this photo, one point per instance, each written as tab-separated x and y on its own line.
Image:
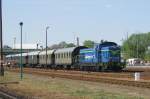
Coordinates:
106	74
5	95
121	78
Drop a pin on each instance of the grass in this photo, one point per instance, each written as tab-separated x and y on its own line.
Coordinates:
57	88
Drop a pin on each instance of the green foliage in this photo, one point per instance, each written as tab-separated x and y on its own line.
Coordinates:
136	45
62	44
6	47
147	55
88	43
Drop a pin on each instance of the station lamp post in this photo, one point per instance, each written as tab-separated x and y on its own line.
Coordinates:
21	66
1	42
46	43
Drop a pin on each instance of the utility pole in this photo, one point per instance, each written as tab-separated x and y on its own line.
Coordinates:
137	46
1	42
21	66
14	42
46	44
77	41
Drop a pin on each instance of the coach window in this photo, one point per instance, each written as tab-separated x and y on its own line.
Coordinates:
64	55
67	54
49	56
61	55
70	54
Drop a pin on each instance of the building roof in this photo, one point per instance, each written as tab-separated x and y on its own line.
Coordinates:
25	46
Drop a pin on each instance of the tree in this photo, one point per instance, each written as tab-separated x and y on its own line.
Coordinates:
88	43
136	45
6	47
70	45
62	44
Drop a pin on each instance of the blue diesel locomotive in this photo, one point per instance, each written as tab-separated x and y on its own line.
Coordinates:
102	57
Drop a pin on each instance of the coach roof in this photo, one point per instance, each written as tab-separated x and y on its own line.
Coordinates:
34	53
70	49
48	52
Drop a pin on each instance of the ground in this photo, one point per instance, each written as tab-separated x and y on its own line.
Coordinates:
42	87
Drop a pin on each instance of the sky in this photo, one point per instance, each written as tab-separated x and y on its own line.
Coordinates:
93	20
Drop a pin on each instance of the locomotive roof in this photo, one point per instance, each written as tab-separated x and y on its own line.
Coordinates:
48	52
108	44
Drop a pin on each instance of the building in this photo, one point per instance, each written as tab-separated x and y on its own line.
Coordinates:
26	46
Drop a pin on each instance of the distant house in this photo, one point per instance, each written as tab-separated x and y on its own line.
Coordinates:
26	46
